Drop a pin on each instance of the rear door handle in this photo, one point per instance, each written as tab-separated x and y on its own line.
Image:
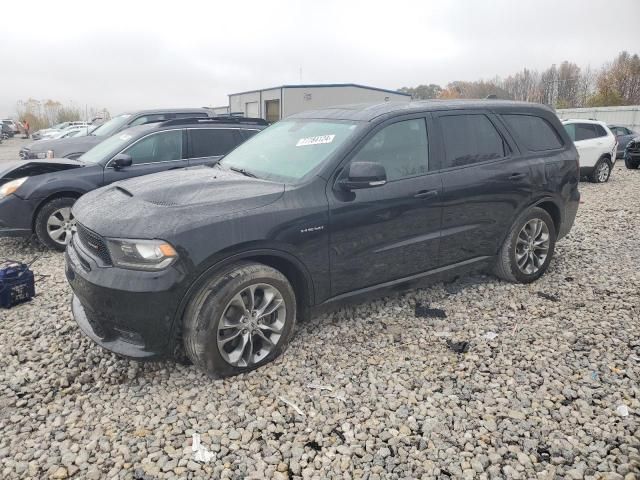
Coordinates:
426	194
517	176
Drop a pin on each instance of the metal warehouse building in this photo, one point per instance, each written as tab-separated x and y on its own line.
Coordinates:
628	116
275	103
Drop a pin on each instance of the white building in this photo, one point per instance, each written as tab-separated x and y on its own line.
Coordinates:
628	116
275	103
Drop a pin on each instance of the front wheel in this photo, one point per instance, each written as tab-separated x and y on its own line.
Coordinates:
240	320
601	172
55	223
528	248
631	164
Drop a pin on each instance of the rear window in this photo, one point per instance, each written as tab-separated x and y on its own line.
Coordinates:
534	132
470	139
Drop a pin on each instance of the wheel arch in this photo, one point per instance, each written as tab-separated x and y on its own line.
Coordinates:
59	194
286	263
552	209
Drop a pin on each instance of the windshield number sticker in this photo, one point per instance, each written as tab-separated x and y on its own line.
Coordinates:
320	139
125	137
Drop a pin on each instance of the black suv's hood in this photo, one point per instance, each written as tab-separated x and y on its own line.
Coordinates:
155	206
31	168
77	144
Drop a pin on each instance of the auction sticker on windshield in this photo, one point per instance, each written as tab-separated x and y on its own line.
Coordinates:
318	140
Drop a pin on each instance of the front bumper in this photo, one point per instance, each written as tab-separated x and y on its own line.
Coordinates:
124	311
16	215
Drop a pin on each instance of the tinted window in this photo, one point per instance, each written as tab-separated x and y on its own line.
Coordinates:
401	148
470	139
600	131
159	147
148	119
534	132
580	131
249	133
212	142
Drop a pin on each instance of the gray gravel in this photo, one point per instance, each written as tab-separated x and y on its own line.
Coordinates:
368	391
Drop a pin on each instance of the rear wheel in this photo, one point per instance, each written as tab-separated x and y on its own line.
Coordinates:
55	223
527	250
240	320
602	171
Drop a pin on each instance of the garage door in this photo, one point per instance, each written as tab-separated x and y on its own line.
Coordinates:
251	109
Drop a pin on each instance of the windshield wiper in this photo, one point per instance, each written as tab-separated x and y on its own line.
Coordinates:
243	172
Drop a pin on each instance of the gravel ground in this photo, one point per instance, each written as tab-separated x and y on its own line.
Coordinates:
548	389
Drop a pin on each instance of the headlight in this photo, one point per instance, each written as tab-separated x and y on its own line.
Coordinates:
49	153
11	187
41	155
141	254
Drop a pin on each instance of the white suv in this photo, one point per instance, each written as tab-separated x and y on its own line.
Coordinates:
596	146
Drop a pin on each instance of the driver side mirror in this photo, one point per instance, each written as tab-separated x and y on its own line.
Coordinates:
121	160
364	175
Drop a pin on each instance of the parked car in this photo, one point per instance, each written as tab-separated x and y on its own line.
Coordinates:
320	207
74	147
6	130
623	136
13	128
72	131
596	146
36	196
632	154
48	132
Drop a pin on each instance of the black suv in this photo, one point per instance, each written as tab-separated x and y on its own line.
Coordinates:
36	196
74	147
319	207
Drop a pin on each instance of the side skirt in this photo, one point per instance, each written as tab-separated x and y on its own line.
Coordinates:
406	282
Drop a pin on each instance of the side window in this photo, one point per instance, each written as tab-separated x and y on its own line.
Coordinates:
600	131
534	132
571	130
584	131
249	133
158	147
402	148
208	142
148	119
470	139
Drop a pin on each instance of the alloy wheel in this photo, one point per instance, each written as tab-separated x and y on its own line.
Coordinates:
251	325
603	172
532	246
60	225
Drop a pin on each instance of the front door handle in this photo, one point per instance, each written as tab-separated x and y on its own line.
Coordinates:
517	176
426	194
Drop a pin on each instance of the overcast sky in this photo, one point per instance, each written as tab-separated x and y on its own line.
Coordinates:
126	55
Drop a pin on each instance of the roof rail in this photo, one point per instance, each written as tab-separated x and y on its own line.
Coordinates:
209	120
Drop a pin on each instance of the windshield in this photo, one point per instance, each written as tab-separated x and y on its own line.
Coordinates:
289	149
106	148
112	126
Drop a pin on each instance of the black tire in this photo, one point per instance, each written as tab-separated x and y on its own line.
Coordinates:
631	164
42	219
506	266
205	311
595	176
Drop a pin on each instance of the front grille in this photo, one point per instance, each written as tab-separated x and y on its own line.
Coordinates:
94	243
